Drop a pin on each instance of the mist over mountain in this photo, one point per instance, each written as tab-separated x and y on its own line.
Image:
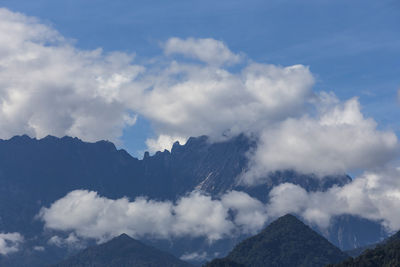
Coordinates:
36	173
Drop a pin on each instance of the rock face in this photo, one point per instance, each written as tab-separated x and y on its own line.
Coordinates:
285	242
35	173
122	251
350	232
214	167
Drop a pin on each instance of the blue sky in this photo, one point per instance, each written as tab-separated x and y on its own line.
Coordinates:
352	47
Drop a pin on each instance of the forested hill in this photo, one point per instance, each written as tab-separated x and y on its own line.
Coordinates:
285	242
122	251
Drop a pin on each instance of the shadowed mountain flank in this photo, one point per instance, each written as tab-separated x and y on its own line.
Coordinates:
285	242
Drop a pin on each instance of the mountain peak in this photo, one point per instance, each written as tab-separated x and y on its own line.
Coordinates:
287	222
125	236
288	218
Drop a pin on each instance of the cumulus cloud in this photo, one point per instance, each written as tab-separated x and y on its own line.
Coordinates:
89	215
249	213
49	87
71	241
201	100
373	196
339	139
10	242
206	50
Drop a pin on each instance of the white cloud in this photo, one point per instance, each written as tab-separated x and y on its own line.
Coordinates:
71	241
207	50
84	214
338	140
250	214
192	100
10	242
199	215
164	142
49	87
195	256
373	195
89	215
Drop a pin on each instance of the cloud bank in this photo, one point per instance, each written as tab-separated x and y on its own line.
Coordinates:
338	140
373	196
85	214
10	242
89	215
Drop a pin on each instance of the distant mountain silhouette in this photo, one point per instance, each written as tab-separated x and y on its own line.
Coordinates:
385	254
285	242
122	251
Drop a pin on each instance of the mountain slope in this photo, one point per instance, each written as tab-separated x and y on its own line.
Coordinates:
224	263
286	242
386	254
122	251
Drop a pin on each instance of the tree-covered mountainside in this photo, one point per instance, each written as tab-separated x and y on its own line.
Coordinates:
122	251
386	254
224	263
285	242
358	251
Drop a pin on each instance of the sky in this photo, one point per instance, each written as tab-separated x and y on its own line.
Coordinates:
351	47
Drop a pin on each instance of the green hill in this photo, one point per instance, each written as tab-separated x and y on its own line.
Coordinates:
122	251
285	242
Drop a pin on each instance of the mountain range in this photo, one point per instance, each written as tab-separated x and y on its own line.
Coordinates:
36	172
